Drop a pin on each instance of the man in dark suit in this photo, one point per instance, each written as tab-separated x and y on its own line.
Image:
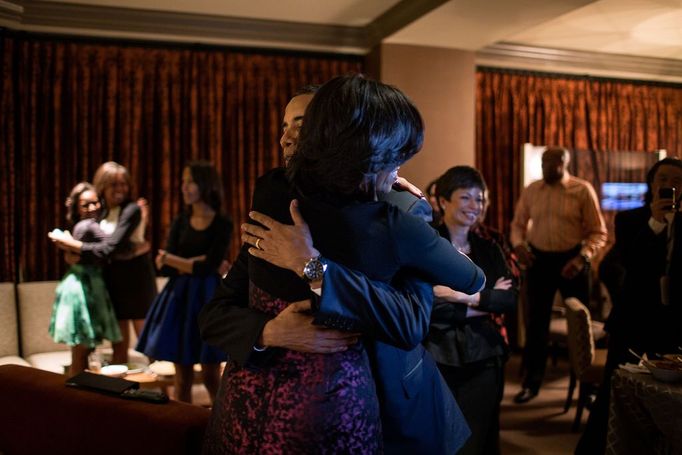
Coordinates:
643	273
419	414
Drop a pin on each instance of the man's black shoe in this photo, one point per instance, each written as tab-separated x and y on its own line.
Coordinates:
525	395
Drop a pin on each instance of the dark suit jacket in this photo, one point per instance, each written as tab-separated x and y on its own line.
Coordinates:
632	271
418	411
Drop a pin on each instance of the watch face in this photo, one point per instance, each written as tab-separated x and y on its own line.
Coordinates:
314	269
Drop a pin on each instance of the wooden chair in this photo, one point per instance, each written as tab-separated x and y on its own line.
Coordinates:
587	363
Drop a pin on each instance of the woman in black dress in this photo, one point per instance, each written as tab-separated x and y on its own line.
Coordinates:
195	248
464	337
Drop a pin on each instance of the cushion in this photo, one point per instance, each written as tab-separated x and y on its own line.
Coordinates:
35	309
9	335
13	360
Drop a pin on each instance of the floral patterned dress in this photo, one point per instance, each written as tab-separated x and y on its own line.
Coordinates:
298	403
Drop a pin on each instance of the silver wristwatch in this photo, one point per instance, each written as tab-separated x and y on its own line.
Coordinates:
314	269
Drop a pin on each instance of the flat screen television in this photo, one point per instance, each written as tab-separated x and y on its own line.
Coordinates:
622	196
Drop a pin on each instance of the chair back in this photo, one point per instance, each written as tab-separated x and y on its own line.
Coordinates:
580	338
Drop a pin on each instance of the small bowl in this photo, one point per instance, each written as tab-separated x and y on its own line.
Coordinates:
665	370
134	368
116	371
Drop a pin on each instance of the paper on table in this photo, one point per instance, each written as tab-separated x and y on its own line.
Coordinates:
634	368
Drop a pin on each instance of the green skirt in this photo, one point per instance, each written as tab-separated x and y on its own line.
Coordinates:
82	312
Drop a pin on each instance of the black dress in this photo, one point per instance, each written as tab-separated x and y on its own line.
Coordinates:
171	329
131	282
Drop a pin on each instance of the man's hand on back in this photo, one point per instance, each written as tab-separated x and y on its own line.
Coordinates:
283	245
293	329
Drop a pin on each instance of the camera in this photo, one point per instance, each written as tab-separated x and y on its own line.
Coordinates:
668	193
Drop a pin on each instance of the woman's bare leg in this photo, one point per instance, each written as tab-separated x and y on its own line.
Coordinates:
138	325
184	377
211	373
79	359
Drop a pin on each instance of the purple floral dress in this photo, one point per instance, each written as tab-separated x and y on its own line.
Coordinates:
298	403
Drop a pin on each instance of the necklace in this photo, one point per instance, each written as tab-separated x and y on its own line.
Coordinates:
464	248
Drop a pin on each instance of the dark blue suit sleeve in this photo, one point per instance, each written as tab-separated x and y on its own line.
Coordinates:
422	250
395	315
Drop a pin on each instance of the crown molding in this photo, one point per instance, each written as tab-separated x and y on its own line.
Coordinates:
514	55
72	18
40	15
10	12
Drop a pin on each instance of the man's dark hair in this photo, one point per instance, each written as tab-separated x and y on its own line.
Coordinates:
671	161
459	177
210	186
353	127
309	89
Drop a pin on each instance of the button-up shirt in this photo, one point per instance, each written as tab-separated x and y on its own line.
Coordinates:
559	216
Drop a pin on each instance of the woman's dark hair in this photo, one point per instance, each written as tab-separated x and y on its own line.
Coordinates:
73	215
210	185
672	161
431	188
459	177
353	128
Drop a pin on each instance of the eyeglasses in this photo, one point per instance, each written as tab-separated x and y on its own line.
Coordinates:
85	205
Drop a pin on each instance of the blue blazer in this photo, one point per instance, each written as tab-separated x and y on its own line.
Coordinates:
419	415
418	412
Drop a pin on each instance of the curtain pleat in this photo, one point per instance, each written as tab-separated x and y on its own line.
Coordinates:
593	117
68	106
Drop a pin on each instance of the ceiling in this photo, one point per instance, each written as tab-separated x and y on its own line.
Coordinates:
629	36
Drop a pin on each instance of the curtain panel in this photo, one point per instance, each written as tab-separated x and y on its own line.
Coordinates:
67	106
592	116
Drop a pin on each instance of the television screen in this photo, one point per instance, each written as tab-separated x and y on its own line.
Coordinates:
622	196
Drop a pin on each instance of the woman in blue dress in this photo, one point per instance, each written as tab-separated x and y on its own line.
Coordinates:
195	248
82	314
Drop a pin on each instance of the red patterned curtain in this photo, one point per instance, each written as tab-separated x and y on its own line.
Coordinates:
68	105
594	116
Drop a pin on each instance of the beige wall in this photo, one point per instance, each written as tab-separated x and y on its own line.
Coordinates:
441	82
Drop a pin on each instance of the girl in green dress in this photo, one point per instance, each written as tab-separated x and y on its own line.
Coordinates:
82	314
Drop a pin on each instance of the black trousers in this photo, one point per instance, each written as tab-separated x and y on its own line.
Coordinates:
478	388
543	279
